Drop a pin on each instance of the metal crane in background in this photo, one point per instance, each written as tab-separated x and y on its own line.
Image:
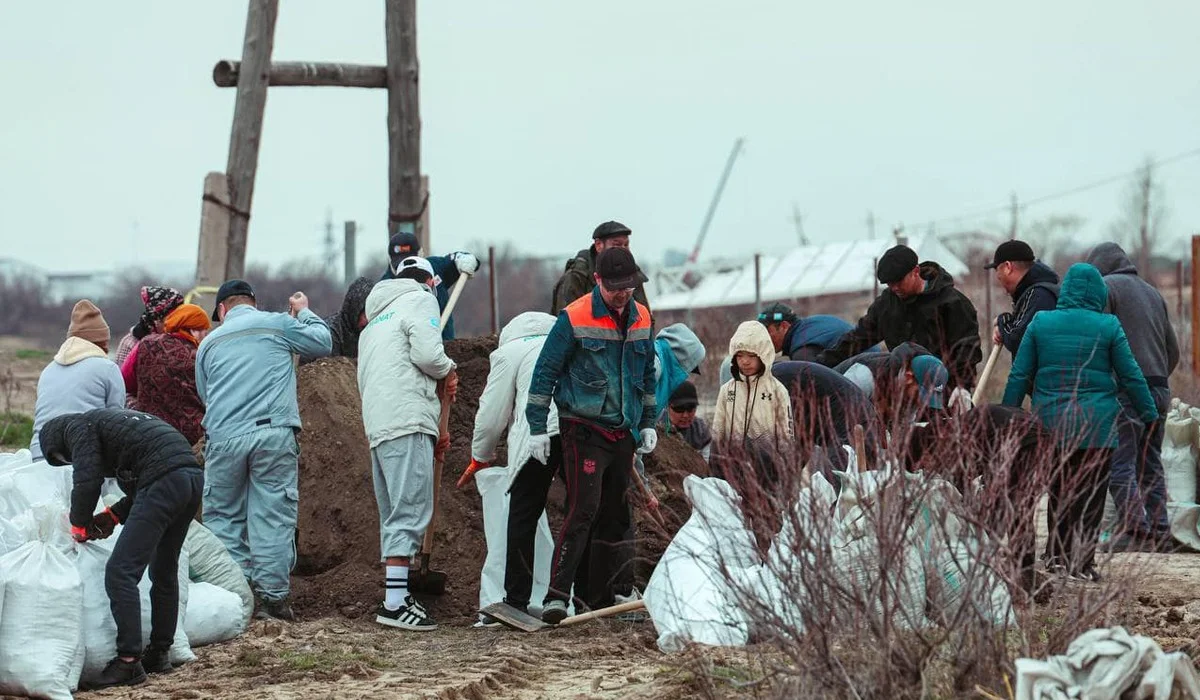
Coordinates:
716	198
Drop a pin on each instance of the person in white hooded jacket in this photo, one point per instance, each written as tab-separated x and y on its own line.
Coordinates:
81	377
401	361
502	406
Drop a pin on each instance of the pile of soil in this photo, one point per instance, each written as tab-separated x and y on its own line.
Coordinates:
338	568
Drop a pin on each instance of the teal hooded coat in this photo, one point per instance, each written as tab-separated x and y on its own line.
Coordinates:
1075	360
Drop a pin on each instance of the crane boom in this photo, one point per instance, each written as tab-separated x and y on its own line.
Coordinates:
716	198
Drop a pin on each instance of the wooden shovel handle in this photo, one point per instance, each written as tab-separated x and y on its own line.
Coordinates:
604	612
986	375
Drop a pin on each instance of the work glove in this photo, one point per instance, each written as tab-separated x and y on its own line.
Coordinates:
469	472
79	534
103	525
649	441
466	263
539	447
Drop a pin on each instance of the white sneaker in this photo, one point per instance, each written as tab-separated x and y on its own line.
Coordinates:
632	615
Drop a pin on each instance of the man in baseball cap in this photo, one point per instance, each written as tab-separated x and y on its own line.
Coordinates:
922	306
446	269
1032	285
577	281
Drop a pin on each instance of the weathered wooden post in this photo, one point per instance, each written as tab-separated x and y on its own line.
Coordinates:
248	110
757	284
494	290
405	204
213	253
1195	317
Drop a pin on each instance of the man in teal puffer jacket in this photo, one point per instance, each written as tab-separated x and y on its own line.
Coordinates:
1075	361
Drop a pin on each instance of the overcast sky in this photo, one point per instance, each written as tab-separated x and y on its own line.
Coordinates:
542	118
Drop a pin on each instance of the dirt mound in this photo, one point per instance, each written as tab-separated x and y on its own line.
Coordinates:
338	569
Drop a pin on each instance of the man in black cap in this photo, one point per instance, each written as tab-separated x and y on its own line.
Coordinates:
247	380
577	279
446	269
920	305
597	366
1032	285
680	417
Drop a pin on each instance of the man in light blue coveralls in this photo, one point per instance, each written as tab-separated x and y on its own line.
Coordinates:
246	377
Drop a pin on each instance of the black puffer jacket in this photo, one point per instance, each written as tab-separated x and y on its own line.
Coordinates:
941	319
133	447
343	326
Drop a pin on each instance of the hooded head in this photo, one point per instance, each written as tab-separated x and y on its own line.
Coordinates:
1110	259
53	440
1083	288
188	319
751	337
685	346
354	305
529	324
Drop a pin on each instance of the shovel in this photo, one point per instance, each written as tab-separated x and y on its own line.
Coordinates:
422	579
511	617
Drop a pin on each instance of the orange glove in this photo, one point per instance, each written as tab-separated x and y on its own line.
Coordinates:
469	472
79	534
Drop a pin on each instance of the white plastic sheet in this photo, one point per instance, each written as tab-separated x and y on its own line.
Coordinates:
1105	664
493	484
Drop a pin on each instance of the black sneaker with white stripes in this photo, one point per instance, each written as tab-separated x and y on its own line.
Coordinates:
410	616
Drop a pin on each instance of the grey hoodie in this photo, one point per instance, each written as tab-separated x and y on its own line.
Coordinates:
1142	312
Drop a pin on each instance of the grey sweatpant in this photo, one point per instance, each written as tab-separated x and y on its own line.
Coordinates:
402	469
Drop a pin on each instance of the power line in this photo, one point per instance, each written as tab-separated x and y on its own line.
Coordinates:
1096	184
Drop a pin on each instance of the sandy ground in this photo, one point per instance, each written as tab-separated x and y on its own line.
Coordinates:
333	658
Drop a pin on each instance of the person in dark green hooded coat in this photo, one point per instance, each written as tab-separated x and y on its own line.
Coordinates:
1074	362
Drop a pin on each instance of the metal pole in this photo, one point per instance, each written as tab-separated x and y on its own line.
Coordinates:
494	286
875	278
716	198
757	284
1195	305
350	252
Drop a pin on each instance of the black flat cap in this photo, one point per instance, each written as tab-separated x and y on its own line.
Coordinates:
895	264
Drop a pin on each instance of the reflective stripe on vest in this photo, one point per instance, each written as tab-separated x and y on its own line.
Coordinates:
585	325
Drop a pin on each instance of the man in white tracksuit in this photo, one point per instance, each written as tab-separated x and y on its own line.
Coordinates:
400	363
502	406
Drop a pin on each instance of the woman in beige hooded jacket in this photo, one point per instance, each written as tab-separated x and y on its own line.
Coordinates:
754	412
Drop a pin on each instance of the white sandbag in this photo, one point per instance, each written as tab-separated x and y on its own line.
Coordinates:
1185	523
959	577
99	628
493	484
40	626
12	460
689	596
210	562
37	484
861	571
1179	454
213	614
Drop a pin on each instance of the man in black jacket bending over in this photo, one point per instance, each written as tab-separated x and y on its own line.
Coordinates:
920	305
163	483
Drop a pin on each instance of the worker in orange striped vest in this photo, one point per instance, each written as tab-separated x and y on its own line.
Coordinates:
597	365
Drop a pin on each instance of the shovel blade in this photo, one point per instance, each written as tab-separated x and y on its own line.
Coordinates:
511	617
428	581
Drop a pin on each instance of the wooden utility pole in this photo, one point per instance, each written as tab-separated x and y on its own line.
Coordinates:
248	111
870	225
495	290
1146	185
405	203
1012	222
1195	319
757	284
350	252
212	257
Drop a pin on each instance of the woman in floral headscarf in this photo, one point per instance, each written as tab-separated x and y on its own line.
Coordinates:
165	371
159	301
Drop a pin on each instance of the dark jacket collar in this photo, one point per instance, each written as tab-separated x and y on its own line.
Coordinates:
1038	274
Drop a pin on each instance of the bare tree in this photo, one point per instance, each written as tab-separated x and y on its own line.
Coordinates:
1049	235
1140	223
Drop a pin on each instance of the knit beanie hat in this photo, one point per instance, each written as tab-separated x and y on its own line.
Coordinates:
88	323
187	317
159	302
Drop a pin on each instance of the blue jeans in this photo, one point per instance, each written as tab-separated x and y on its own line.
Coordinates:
1137	484
251	501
